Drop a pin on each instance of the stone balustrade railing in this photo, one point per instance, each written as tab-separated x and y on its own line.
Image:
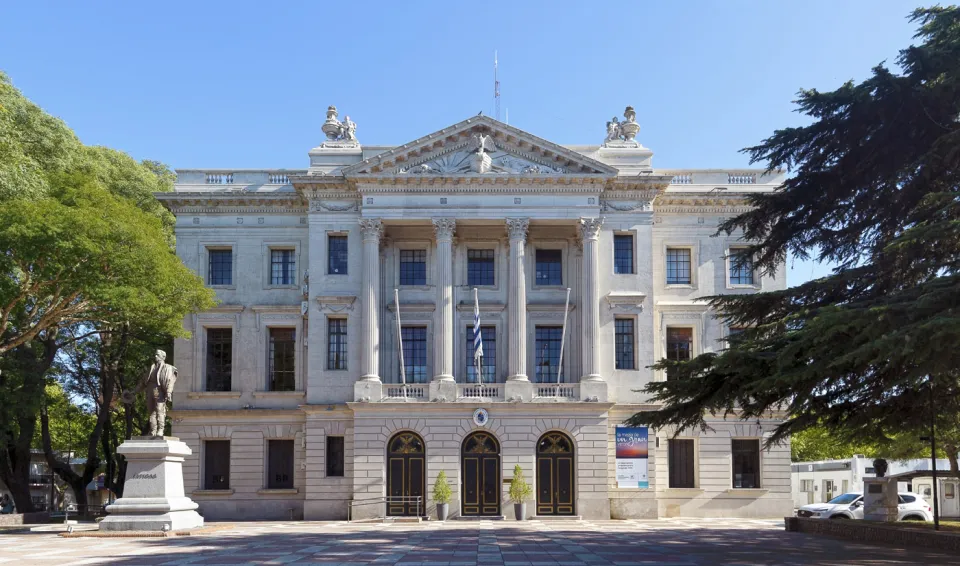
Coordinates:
393	391
563	392
492	391
720	178
237	177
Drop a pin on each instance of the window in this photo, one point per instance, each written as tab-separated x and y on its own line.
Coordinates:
622	253
336	343
681	461
413	267
679	344
806	486
949	490
548	353
480	267
280	464
283	267
335	456
678	266
337	255
741	267
488	363
216	464
549	267
220	270
746	463
282	359
219	358
415	353
624	343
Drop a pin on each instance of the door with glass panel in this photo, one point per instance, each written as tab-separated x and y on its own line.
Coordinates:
555	475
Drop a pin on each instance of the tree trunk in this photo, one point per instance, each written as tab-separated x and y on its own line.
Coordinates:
951	450
77	482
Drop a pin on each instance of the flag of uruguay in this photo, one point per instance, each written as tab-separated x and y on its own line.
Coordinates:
477	337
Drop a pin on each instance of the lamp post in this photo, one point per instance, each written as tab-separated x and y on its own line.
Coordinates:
933	458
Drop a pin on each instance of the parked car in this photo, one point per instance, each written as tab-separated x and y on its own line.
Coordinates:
850	506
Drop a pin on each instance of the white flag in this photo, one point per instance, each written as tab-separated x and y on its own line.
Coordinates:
477	337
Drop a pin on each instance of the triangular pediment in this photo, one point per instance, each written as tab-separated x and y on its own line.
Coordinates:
479	146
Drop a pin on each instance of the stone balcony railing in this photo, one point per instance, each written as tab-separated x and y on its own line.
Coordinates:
557	392
718	177
236	178
472	391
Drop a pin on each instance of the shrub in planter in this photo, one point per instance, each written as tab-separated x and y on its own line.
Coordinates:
441	495
520	492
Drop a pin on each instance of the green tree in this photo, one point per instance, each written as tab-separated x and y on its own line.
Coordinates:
820	443
874	189
87	251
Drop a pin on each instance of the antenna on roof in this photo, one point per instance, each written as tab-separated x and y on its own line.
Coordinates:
508	117
496	88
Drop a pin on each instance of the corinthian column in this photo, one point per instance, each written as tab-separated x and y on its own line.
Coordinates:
372	230
443	326
517	300
590	234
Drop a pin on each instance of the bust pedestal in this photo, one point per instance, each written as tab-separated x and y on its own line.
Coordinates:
153	498
880	499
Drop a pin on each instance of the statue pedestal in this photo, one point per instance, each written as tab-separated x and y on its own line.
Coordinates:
153	498
880	499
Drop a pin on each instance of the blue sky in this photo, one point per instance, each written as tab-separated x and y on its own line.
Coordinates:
246	84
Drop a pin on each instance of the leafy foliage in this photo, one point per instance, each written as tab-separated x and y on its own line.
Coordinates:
875	190
819	443
520	490
441	488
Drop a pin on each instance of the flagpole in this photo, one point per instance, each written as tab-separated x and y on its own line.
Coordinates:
403	370
477	356
563	335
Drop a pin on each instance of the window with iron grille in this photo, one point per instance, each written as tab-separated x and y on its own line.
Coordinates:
219	359
413	267
488	363
548	353
746	463
220	269
282	359
741	267
337	255
678	266
622	253
549	267
624	338
280	464
283	267
480	267
336	343
216	464
681	463
335	456
415	353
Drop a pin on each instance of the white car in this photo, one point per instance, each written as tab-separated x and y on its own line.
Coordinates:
912	507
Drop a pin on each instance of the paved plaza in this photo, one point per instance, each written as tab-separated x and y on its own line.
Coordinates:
687	542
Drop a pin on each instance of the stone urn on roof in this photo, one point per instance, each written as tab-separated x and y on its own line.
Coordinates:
629	127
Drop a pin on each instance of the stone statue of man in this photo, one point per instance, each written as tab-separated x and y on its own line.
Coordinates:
159	384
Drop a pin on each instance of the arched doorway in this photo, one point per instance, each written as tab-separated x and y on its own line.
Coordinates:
555	490
480	463
406	475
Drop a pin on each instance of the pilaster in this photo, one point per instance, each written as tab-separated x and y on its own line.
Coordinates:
443	332
372	230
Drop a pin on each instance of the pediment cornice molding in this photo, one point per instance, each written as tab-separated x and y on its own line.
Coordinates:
547	156
688	203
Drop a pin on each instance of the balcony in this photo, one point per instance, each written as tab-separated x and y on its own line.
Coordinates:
563	392
41	479
475	392
402	393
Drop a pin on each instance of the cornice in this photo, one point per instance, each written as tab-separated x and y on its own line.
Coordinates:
688	203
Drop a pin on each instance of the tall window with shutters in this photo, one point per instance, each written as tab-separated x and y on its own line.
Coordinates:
336	343
280	464
682	463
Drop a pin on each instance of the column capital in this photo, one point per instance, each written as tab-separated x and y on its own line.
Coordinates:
590	228
517	228
372	229
444	228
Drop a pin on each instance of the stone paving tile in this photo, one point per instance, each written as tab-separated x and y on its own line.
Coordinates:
678	542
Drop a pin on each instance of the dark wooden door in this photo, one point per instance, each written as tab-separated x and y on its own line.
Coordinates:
406	475
555	491
480	462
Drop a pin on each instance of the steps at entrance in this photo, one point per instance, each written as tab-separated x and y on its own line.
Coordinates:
483	518
557	518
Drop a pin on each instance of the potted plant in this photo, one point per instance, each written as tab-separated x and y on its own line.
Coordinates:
520	492
441	494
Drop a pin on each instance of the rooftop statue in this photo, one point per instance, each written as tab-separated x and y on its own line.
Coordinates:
336	131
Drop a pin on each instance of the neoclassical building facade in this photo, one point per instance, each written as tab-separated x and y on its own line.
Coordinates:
584	263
